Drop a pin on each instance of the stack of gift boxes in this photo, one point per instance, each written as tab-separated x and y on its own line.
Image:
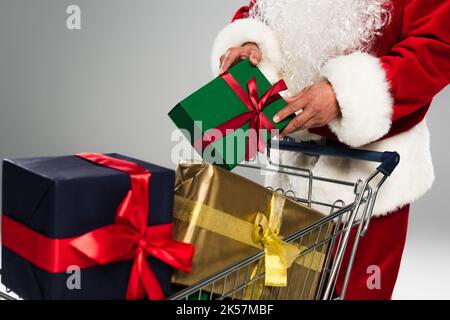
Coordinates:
106	226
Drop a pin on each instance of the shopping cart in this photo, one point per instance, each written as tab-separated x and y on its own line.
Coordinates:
240	281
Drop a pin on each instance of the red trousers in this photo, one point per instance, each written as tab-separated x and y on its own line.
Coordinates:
378	258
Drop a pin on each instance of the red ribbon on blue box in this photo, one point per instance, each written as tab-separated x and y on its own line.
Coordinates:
129	238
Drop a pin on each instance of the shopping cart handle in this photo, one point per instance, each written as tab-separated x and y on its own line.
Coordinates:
388	160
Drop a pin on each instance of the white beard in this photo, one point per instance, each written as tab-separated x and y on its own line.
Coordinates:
313	31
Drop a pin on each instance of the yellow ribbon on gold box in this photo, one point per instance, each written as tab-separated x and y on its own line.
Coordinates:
230	218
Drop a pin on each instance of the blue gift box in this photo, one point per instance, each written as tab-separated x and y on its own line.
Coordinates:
65	197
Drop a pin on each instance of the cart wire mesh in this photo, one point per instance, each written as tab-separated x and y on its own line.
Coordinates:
317	269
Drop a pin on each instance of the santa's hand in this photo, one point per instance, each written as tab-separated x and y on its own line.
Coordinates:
315	106
234	55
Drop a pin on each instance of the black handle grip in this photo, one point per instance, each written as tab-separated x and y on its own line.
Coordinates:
388	160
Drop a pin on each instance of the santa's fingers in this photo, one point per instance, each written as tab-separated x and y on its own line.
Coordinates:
290	109
255	57
233	55
228	59
222	58
311	123
297	123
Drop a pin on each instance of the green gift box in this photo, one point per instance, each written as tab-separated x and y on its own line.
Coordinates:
216	119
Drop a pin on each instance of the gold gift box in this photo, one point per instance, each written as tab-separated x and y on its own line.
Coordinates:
216	211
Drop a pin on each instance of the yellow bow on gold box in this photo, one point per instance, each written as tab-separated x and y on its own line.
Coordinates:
229	218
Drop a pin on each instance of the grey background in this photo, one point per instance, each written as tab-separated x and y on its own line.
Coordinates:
108	88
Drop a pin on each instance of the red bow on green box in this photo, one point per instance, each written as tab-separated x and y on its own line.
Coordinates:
256	117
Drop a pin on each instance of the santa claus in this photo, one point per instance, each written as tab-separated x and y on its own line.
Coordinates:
362	73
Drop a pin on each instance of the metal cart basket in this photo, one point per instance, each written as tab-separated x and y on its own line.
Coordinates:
336	226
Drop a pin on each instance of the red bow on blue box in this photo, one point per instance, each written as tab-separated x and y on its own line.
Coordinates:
129	238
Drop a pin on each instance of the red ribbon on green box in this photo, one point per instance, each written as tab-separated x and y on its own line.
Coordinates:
256	117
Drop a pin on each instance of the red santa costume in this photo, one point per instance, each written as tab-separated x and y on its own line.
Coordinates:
386	60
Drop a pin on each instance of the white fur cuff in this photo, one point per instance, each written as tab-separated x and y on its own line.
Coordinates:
250	30
362	91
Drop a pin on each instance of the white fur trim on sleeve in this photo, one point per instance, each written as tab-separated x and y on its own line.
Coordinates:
362	91
250	30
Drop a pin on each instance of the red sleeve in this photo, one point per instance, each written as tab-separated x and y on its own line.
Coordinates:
243	12
418	67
